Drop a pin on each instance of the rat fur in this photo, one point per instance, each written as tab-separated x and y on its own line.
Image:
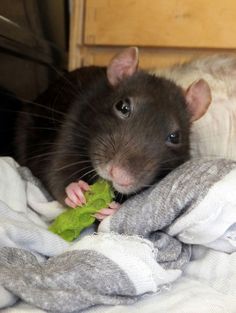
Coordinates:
123	124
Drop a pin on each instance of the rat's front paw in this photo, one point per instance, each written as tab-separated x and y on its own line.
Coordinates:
75	193
112	209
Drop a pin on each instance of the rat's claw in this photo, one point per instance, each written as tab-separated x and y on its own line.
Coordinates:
99	217
83	185
103	213
75	193
114	205
112	209
70	203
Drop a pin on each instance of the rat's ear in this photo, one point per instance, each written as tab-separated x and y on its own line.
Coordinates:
198	98
123	65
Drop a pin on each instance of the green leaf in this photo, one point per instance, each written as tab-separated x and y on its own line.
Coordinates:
70	223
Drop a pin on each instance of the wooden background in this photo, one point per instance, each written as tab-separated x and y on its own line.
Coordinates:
166	31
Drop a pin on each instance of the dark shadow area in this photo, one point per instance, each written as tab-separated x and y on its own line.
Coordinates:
33	53
9	107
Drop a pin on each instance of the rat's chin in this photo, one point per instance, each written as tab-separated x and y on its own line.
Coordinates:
126	190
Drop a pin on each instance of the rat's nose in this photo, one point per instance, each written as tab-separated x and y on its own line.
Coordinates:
121	176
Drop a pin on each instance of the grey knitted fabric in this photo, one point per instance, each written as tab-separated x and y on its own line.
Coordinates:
178	193
71	281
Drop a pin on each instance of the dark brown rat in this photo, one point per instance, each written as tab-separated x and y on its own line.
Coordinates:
122	124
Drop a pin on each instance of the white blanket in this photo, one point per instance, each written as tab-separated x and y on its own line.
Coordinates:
208	283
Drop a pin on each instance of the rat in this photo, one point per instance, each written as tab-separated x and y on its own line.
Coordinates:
118	122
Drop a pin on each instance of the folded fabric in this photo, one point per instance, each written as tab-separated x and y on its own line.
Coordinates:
25	211
101	270
196	203
141	249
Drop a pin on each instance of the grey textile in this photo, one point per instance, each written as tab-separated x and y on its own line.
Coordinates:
179	193
64	283
109	268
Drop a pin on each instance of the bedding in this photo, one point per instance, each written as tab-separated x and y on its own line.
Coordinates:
171	248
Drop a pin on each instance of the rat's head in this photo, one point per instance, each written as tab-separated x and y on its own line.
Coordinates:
142	131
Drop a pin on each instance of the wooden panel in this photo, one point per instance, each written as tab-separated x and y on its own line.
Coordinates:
161	23
149	57
76	33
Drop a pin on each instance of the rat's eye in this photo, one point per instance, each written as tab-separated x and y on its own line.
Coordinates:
173	139
123	108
